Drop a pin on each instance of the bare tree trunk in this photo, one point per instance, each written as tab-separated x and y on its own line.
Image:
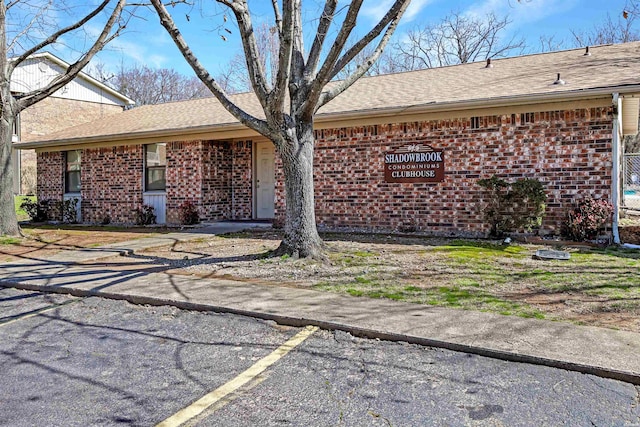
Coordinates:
8	220
301	237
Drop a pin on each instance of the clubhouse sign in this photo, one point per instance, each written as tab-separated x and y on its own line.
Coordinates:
414	163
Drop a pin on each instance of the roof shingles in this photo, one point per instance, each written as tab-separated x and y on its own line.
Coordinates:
526	76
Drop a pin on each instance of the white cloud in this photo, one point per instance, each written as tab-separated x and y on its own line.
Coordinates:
376	10
524	12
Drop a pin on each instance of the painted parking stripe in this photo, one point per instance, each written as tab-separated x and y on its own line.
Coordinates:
247	376
11	319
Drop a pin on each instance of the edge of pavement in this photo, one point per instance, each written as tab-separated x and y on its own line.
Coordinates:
600	371
284	318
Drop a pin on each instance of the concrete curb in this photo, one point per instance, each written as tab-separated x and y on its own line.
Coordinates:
599	371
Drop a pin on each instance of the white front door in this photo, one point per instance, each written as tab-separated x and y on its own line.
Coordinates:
265	180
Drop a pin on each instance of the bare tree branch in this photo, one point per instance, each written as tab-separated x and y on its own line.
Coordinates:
621	30
278	15
30	98
245	118
251	52
325	73
286	35
394	15
458	39
55	36
326	19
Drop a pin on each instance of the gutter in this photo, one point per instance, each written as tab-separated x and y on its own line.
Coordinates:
615	169
506	101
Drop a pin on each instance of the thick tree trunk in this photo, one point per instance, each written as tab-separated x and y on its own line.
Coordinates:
301	237
8	220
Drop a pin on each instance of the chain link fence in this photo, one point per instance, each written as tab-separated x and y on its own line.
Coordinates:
631	184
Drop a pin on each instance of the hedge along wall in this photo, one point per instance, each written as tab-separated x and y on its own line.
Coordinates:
568	151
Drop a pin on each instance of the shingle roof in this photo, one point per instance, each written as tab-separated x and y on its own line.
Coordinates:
519	78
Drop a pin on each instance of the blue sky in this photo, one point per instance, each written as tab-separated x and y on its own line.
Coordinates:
146	42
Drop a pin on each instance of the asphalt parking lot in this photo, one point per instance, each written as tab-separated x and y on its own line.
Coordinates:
76	362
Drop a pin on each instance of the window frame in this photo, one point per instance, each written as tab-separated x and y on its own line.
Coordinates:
151	169
68	172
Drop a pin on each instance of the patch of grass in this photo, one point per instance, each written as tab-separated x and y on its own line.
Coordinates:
364	254
20	213
478	250
7	240
443	296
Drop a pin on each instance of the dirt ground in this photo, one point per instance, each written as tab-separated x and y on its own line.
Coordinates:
42	242
599	289
594	289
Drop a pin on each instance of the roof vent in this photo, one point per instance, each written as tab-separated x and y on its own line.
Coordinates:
489	64
587	53
559	81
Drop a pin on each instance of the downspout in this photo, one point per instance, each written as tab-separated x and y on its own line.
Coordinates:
615	169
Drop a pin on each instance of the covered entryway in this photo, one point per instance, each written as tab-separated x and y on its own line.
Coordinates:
264	182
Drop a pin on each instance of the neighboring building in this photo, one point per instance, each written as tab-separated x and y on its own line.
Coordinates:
83	100
394	151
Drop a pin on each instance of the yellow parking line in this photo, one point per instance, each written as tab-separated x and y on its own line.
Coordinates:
200	405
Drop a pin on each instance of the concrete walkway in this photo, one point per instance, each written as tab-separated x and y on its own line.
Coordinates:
604	352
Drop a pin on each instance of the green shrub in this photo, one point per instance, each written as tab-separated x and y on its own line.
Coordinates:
517	206
38	211
68	210
145	215
189	213
587	219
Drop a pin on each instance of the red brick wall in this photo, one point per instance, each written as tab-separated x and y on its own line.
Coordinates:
569	151
242	180
213	175
216	184
111	183
184	177
201	172
50	176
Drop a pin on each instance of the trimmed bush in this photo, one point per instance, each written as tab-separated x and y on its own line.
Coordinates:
517	206
68	210
145	215
38	211
587	219
189	214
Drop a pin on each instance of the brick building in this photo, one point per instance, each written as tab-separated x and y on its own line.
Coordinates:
81	101
393	151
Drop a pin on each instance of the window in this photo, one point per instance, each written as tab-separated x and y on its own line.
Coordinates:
475	122
155	167
72	171
16	129
528	118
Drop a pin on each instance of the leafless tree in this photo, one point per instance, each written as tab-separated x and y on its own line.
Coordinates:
300	88
26	28
154	86
619	30
236	75
390	61
458	39
550	44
